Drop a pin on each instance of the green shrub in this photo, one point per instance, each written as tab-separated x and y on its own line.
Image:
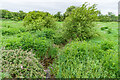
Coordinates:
40	45
59	39
27	41
21	64
81	60
12	31
9	31
80	22
103	28
12	43
38	20
48	33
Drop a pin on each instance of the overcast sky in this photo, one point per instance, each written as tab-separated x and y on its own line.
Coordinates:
53	6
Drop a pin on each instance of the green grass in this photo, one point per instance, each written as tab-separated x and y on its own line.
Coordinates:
103	33
108	35
105	39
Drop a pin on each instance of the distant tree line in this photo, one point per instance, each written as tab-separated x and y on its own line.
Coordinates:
110	17
17	16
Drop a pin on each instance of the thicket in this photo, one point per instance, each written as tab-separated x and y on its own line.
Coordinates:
12	31
40	42
79	24
16	16
37	20
77	59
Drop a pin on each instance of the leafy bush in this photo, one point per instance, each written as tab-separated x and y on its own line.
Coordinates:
12	43
12	31
56	37
16	16
9	31
103	28
81	60
21	64
40	45
69	10
80	22
48	33
59	38
38	20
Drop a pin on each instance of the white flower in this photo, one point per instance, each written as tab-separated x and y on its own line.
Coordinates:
21	67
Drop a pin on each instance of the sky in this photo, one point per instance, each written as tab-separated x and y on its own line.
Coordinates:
53	6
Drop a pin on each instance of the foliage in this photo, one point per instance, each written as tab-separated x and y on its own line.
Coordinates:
48	33
80	22
69	10
58	16
103	28
26	41
108	30
110	17
81	60
59	38
96	57
12	43
21	64
37	20
107	45
12	31
13	15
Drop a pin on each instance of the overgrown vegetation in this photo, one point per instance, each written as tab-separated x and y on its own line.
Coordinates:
21	64
37	20
78	47
16	16
80	22
81	60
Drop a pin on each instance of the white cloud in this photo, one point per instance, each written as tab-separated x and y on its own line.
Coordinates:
54	6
